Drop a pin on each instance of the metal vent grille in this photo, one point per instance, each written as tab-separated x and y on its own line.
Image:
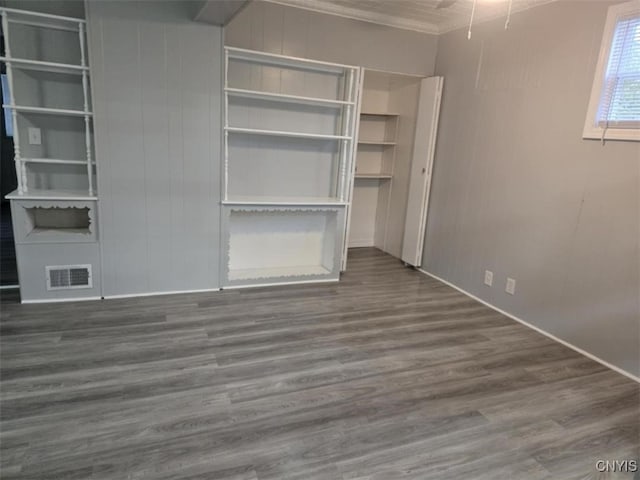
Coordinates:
68	277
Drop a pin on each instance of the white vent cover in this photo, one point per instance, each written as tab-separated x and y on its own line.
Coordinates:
65	277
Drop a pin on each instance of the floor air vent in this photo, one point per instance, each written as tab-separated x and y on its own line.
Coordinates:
65	277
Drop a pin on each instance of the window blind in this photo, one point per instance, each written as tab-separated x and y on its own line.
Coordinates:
620	98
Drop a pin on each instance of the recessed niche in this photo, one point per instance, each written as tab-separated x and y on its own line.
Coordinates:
73	220
280	243
59	221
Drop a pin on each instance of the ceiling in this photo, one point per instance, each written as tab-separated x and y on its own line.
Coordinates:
219	12
419	15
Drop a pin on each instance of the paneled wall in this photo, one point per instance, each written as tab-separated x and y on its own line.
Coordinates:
296	32
157	86
516	190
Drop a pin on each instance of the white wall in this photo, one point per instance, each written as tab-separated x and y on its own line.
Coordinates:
296	32
516	190
157	84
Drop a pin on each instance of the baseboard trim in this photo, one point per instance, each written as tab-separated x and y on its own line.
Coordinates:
537	329
60	300
154	294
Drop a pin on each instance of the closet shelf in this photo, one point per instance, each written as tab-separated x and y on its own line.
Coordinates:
379	114
48	111
238	92
58	161
281	133
375	142
381	176
38	65
34	194
281	201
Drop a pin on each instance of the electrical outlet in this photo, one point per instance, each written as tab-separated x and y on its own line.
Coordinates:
511	286
34	136
488	277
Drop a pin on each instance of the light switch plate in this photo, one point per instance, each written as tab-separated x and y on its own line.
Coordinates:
511	286
34	136
488	277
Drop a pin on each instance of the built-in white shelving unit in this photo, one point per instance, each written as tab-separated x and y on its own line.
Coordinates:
26	27
54	208
288	153
386	129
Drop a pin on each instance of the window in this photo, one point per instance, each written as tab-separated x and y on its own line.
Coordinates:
8	122
614	108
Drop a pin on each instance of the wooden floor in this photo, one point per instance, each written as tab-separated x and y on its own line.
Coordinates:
387	375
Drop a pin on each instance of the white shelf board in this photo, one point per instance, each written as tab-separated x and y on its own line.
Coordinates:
282	133
51	195
276	272
49	16
379	114
281	201
38	65
47	111
238	92
286	61
375	142
58	161
59	231
373	175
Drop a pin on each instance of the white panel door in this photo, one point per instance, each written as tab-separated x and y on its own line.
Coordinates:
421	166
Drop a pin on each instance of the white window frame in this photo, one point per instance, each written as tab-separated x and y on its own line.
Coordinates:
591	128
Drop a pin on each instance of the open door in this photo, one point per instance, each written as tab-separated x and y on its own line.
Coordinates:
421	166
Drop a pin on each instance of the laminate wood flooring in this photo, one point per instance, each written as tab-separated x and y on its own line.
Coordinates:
387	375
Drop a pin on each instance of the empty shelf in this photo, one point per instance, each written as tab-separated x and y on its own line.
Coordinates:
58	161
47	16
26	64
47	111
380	114
258	200
281	133
59	231
375	142
285	61
237	92
33	194
275	272
373	175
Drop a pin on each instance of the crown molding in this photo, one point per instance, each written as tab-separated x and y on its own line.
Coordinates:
356	14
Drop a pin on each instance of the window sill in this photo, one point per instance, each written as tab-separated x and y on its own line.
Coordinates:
624	134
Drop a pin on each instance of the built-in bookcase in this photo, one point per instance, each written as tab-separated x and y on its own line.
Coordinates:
48	78
288	156
54	207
